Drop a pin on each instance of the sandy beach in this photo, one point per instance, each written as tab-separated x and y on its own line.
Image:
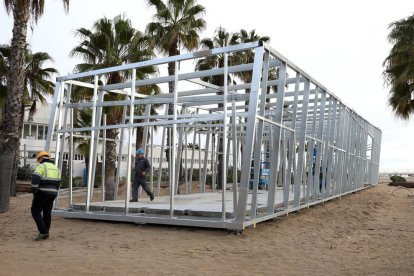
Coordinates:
365	233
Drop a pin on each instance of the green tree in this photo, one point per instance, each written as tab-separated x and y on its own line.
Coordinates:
176	26
248	56
399	67
37	86
112	43
222	38
10	130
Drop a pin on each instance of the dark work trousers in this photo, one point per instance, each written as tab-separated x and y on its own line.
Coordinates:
139	181
43	203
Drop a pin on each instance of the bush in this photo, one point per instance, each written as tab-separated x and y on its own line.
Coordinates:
397	178
76	182
25	172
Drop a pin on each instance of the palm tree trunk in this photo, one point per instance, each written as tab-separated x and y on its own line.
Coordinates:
110	164
10	130
139	137
13	189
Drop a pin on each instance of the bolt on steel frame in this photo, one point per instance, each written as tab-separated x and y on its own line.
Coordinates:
317	148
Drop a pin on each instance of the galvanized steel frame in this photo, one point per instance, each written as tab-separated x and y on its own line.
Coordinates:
318	147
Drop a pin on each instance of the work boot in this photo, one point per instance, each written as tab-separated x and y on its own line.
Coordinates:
151	196
41	237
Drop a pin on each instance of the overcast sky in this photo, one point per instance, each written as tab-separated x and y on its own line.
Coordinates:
342	44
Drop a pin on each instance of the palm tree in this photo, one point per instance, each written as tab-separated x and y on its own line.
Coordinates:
10	130
222	38
37	81
248	56
399	67
111	43
176	26
37	86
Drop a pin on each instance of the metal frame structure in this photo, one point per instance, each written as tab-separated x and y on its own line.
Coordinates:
318	147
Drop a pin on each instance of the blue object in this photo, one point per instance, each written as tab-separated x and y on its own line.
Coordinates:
264	173
140	151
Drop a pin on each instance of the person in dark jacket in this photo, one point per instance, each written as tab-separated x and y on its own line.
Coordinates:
45	185
142	167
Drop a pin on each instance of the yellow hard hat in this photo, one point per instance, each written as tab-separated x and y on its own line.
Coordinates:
41	154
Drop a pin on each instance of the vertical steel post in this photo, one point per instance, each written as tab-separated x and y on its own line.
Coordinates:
103	154
311	146
190	177
250	134
152	158
121	145
292	145
259	136
275	136
301	151
94	156
172	138
213	160
91	148
224	139
59	126
205	165
52	119
330	143
319	145
179	153
325	149
130	139
186	158
164	132
71	158
235	155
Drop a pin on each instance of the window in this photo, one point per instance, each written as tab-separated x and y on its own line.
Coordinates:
33	131
40	132
26	131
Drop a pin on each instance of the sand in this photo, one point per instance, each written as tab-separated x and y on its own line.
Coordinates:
366	233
